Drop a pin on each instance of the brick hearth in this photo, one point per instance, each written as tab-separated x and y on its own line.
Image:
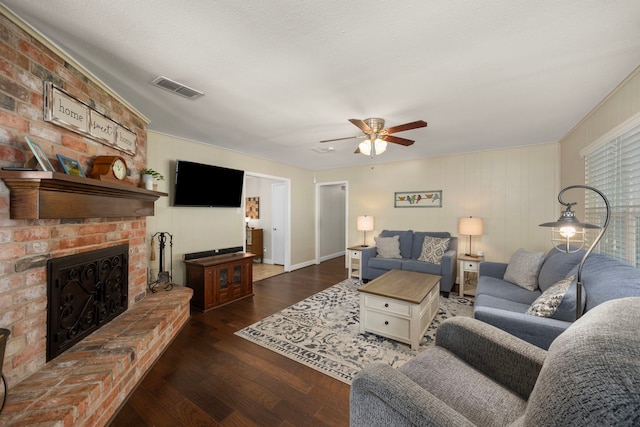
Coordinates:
87	384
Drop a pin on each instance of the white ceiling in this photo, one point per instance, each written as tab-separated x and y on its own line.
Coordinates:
279	76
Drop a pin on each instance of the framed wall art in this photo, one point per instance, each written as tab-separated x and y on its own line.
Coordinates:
126	140
62	109
418	199
252	206
102	129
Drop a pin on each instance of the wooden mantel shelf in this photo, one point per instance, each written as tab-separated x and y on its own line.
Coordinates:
55	195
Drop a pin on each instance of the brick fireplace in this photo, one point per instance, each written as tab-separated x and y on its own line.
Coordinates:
27	61
91	378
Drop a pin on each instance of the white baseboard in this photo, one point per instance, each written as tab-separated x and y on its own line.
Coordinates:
332	256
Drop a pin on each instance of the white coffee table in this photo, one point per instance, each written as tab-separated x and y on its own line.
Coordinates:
399	305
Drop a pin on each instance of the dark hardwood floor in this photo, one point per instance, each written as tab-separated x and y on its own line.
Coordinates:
208	376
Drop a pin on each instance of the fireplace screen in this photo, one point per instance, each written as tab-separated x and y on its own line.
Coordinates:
84	292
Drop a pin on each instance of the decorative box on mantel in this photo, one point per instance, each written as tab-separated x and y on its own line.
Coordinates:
55	195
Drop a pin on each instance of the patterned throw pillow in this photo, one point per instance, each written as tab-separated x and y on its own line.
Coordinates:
523	269
388	247
547	303
433	249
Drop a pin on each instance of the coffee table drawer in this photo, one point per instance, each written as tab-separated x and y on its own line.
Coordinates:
387	305
388	326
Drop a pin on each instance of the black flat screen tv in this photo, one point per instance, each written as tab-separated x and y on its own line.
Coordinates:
198	184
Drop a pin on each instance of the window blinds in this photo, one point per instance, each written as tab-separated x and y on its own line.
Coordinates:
614	169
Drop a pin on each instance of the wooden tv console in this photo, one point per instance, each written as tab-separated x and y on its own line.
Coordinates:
219	280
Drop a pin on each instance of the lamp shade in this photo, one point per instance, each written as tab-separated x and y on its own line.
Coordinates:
364	223
470	226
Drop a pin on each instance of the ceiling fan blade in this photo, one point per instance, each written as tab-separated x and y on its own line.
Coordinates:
342	139
406	126
397	140
357	151
362	125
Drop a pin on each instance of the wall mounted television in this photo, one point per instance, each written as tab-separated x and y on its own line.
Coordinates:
198	184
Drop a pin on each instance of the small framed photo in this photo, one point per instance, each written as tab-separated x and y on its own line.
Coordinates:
70	166
39	157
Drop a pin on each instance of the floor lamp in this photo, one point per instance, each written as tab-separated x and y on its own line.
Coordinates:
566	233
471	227
364	223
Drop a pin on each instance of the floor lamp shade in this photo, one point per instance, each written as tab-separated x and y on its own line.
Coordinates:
470	227
364	223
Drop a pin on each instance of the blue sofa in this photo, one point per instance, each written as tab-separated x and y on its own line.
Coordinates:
504	304
410	249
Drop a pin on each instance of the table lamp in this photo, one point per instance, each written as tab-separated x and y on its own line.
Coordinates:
471	227
364	223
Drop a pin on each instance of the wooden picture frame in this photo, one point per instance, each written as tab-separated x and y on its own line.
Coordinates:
126	140
418	199
64	110
70	166
252	206
39	157
102	128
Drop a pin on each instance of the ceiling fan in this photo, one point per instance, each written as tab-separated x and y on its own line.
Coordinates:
377	135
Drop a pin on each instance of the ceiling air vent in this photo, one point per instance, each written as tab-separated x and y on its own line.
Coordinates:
323	150
175	87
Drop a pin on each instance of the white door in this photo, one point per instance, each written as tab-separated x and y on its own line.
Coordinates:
278	223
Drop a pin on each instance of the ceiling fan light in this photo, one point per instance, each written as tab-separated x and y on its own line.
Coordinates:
365	147
381	146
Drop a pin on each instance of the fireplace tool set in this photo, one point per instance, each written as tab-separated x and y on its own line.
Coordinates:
4	334
164	277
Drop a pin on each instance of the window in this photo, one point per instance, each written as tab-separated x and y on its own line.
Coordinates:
614	169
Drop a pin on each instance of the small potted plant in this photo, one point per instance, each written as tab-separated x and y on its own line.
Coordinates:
149	178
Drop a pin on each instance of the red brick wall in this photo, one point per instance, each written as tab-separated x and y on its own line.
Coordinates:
25	64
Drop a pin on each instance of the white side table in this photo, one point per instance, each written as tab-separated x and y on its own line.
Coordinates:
467	264
355	258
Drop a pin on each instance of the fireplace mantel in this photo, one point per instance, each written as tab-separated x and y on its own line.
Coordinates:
55	195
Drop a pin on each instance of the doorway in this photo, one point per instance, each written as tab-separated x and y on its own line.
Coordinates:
331	220
273	196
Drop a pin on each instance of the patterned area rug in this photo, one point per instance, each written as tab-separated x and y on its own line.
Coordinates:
322	332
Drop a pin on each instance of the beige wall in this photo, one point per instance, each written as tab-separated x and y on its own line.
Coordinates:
201	229
513	190
619	106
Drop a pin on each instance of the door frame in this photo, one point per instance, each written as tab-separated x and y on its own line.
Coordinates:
287	214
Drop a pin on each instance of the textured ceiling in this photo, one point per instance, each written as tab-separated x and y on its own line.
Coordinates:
279	76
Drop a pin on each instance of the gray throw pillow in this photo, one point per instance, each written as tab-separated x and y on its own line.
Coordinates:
388	247
433	249
523	269
549	301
